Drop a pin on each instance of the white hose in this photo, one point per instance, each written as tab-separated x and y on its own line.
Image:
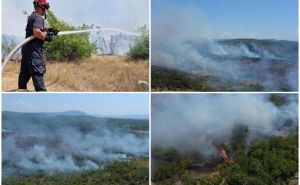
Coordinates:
7	59
101	29
15	50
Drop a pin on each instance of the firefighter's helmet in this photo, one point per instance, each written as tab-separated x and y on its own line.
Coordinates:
42	4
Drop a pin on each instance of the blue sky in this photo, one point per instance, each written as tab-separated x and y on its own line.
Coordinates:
277	19
123	14
105	104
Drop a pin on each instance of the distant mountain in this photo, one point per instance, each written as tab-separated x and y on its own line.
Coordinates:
140	117
70	113
247	48
43	114
266	48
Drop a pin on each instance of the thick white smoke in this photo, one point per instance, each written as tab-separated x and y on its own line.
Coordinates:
185	41
67	147
192	122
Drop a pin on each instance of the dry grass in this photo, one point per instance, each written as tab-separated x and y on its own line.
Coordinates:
99	73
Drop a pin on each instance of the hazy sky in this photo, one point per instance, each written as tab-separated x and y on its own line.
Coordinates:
124	14
105	104
276	19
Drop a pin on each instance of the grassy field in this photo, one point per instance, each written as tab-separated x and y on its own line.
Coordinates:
99	73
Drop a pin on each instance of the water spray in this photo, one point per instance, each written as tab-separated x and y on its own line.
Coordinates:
7	59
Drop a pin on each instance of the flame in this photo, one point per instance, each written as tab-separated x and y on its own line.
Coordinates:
223	154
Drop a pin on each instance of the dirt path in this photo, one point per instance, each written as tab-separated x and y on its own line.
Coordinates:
101	73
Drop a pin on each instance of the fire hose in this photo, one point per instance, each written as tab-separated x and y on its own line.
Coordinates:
7	59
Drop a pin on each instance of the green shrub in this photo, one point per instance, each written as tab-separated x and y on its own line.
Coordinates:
170	166
238	137
140	49
134	172
214	180
69	47
235	175
270	161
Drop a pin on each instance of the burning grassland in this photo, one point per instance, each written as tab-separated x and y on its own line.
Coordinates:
69	145
192	47
229	65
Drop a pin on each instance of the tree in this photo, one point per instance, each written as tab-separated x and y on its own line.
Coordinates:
238	137
277	157
140	49
69	47
235	175
8	44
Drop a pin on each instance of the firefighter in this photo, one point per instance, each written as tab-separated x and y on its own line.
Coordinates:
33	60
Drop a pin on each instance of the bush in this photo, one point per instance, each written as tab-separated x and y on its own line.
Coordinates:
134	172
140	49
235	175
278	157
278	100
270	161
214	180
238	137
170	166
69	47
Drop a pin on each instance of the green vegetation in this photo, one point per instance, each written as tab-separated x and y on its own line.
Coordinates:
70	47
238	137
167	79
170	166
140	49
278	100
164	79
266	162
134	172
91	122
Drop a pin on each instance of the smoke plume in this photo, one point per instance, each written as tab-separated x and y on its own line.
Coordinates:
60	145
193	122
184	41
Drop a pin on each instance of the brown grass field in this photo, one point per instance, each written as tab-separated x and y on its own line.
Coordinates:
99	73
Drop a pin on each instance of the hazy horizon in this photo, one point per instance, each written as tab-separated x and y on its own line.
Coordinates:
104	104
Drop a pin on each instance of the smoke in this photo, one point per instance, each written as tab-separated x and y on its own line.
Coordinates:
183	40
192	123
60	145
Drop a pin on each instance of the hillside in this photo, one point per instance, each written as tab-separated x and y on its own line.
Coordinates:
99	73
62	147
167	79
270	161
227	65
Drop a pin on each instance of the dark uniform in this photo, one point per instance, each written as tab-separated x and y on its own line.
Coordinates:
33	60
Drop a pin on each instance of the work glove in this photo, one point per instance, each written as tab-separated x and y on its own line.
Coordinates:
49	36
54	31
50	33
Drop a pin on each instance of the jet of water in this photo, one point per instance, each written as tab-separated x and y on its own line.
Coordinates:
7	59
